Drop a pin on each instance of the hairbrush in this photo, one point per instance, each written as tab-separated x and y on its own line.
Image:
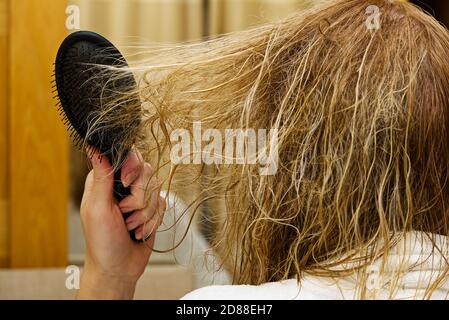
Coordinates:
97	99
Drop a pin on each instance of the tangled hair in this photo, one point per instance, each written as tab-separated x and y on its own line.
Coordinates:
363	138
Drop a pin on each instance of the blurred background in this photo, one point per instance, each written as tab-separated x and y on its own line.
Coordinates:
42	174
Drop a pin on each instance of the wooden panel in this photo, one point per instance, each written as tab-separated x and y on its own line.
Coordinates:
38	140
3	133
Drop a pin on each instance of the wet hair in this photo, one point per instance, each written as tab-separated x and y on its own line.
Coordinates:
363	138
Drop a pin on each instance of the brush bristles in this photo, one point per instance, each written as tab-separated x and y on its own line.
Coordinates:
91	87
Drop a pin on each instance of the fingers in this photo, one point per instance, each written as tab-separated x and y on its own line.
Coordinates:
88	185
141	216
149	228
141	189
144	201
100	181
132	168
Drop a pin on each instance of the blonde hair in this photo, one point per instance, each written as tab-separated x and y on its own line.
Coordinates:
362	116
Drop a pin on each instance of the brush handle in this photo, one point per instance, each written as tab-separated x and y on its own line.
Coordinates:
120	193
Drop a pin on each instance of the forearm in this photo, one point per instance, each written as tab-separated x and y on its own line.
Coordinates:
97	286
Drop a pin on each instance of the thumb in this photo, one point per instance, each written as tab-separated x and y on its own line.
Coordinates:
103	177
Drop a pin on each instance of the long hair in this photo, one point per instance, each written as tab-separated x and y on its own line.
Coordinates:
363	137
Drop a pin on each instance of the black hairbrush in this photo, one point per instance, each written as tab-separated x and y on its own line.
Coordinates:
90	85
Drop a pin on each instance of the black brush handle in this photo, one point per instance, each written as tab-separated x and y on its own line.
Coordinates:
120	193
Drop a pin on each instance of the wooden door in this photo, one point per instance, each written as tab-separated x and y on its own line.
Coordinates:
33	142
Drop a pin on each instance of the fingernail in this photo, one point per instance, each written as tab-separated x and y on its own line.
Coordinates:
138	235
127	211
128	179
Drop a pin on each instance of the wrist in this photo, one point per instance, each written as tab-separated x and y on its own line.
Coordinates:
96	284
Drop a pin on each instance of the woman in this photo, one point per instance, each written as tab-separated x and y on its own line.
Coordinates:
358	92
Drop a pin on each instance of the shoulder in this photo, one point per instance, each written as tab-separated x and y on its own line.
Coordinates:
287	289
310	288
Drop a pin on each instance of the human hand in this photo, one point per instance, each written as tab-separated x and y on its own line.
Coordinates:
114	262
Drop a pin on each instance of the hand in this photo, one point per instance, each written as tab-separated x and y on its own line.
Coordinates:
114	262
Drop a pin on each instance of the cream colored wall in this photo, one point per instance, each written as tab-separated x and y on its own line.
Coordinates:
234	15
143	21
